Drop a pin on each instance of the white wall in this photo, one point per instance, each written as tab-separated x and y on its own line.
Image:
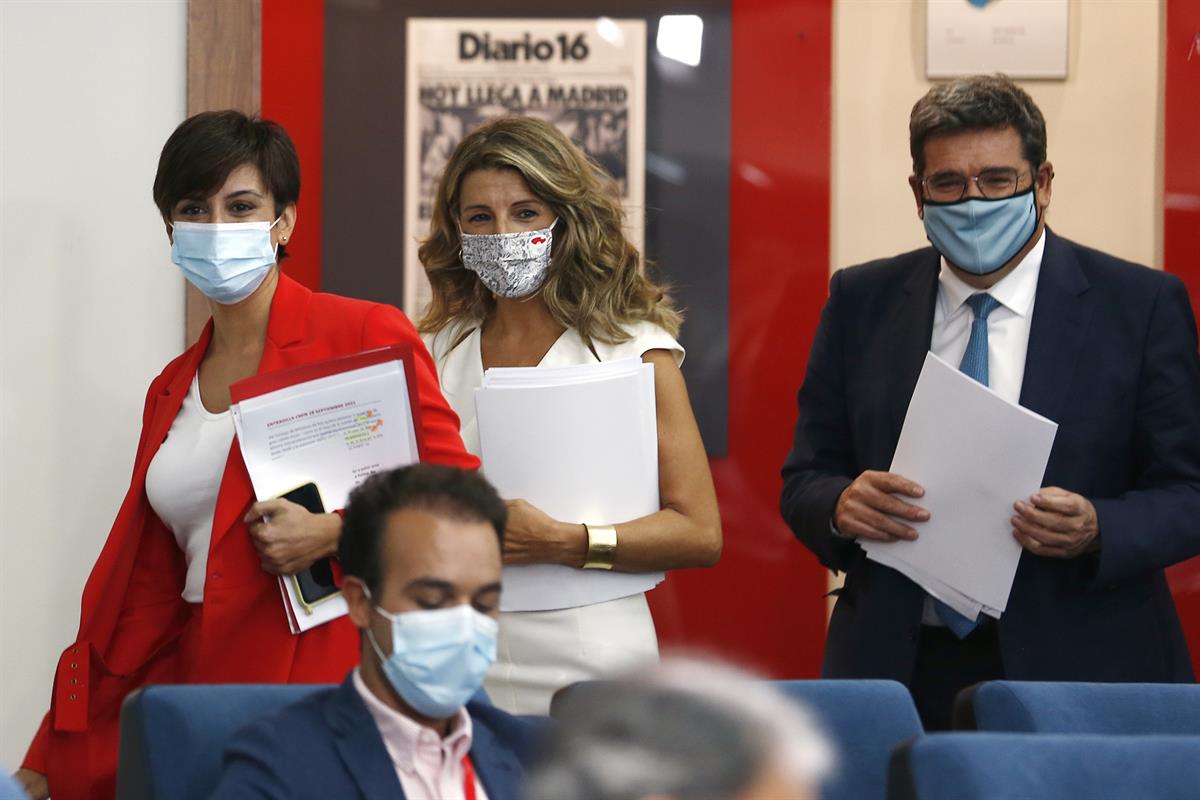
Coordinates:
1103	128
91	307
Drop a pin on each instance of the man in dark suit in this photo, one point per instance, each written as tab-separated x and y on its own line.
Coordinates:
420	549
1105	348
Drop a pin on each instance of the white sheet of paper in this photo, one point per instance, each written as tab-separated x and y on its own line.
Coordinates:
975	454
333	431
581	444
952	597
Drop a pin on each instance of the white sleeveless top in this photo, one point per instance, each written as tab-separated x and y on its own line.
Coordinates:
455	351
183	481
540	652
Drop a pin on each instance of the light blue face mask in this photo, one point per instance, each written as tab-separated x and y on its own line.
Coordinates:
438	657
226	261
978	235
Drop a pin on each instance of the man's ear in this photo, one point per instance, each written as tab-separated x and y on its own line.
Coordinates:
914	183
1045	182
357	601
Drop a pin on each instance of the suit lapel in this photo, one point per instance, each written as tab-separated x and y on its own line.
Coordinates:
496	766
1061	314
285	328
906	332
360	745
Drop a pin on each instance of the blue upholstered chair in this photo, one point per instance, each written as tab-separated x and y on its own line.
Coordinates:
1121	708
9	788
172	737
1009	766
865	719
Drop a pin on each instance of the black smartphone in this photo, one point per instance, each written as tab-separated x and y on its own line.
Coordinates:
315	583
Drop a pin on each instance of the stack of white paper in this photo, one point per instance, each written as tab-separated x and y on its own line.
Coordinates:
975	454
334	431
581	444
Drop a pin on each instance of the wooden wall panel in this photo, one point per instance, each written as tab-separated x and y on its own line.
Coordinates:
224	71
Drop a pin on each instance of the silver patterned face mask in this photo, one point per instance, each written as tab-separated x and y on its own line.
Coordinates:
509	264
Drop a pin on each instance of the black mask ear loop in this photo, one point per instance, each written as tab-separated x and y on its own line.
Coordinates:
1037	209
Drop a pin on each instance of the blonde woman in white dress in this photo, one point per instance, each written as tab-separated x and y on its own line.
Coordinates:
529	266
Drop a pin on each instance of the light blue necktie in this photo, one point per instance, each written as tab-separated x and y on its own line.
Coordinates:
975	364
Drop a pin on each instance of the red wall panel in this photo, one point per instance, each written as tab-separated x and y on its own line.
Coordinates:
1181	223
293	83
764	604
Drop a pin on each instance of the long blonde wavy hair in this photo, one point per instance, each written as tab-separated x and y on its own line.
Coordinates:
597	281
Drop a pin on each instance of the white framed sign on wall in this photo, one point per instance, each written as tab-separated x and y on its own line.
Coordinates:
1021	38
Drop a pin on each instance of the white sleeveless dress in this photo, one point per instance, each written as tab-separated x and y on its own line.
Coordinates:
539	652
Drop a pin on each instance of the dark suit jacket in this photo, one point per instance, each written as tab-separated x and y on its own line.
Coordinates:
327	745
1112	358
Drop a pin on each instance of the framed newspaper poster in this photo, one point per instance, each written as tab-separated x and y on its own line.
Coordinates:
587	76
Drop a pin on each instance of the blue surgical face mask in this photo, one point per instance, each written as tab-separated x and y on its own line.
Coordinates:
226	261
978	235
438	657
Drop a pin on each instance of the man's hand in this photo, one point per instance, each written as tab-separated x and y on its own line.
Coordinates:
867	507
288	537
1057	523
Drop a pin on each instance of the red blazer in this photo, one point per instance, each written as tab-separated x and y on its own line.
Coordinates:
133	612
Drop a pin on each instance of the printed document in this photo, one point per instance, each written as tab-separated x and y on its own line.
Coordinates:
975	454
581	444
334	430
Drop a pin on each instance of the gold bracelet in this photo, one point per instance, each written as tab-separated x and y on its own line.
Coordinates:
602	546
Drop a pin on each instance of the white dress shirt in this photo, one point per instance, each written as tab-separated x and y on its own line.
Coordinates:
1008	325
1008	332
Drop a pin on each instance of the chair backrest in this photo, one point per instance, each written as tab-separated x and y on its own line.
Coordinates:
1004	766
1121	708
865	719
172	737
9	788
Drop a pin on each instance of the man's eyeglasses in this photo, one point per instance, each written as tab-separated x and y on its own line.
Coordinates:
950	187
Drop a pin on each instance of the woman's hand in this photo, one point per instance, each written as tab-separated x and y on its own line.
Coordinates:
288	537
533	537
34	784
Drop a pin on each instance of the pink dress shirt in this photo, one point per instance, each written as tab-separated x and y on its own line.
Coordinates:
428	766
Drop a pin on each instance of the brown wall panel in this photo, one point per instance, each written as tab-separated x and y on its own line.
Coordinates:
224	71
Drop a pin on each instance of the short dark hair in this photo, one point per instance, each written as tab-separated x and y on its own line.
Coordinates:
456	493
205	148
978	102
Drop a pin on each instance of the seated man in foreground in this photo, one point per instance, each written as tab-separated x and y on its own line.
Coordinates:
420	549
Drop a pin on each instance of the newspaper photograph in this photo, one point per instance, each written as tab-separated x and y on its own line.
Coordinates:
587	76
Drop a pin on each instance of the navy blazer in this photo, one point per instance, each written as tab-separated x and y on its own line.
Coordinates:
327	745
1112	358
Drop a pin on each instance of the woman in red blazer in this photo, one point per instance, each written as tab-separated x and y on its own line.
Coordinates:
163	605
